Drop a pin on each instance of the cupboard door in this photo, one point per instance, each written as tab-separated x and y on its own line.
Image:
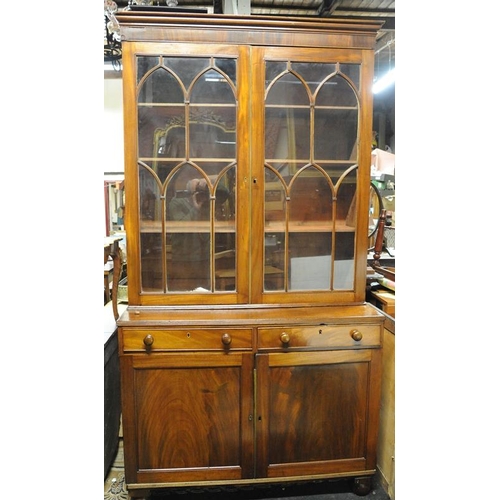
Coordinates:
188	417
316	412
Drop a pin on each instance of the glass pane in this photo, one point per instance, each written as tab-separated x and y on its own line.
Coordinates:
212	87
151	241
288	90
149	196
310	231
228	67
212	132
225	240
188	231
161	132
336	91
310	261
335	134
273	69
274	278
225	198
344	262
274	199
336	127
311	200
151	262
346	201
144	64
288	134
345	232
274	242
352	71
160	87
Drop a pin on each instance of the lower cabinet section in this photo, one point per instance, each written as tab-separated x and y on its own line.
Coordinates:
205	404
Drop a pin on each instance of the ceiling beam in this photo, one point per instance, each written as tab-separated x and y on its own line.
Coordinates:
333	8
217	6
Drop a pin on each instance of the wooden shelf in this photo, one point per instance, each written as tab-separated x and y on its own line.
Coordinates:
308	227
187	227
229	227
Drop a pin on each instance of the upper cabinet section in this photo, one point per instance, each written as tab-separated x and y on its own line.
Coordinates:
247	160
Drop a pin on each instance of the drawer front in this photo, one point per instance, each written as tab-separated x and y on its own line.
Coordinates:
139	339
321	336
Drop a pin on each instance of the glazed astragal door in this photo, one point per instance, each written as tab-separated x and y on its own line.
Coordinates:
189	176
310	177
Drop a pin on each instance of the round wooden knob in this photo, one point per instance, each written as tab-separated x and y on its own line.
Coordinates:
356	335
285	338
148	340
226	339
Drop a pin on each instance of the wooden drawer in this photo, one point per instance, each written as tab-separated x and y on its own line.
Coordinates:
321	336
137	339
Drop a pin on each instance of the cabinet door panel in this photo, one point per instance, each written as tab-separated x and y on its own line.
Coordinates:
186	174
191	414
312	408
310	175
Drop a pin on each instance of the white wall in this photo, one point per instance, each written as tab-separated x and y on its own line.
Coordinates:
112	148
113	159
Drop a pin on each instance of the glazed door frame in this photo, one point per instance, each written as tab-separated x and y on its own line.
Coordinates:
259	57
136	294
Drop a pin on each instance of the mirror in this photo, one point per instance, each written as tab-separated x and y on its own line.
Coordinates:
114	206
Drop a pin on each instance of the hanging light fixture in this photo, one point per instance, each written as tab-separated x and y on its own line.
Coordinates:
112	38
